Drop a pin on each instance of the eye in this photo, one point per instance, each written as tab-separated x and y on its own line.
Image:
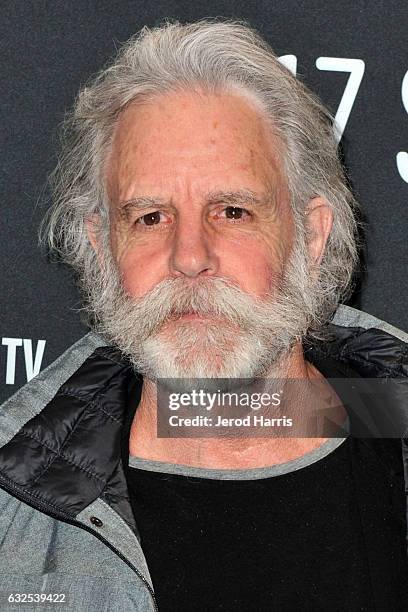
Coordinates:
151	218
235	213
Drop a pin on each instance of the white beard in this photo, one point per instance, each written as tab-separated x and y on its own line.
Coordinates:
203	350
241	336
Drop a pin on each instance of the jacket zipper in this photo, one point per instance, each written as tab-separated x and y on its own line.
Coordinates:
65	518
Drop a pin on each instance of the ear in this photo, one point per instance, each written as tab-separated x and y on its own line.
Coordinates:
319	220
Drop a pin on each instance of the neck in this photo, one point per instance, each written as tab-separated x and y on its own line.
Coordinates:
225	453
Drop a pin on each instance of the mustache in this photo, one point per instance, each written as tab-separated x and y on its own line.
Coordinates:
217	297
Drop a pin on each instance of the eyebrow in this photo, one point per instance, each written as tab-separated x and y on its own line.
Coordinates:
139	203
240	197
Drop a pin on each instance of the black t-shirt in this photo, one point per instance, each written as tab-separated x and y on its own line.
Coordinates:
327	536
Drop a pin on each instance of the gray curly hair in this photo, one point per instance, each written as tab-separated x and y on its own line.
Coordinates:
214	55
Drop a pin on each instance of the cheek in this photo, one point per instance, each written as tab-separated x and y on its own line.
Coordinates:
141	261
139	272
132	282
256	265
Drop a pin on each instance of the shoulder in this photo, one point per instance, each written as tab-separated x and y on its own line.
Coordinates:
371	347
348	317
28	401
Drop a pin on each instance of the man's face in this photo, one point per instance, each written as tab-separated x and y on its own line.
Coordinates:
201	230
197	192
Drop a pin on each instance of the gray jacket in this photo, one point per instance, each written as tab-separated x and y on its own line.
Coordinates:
66	525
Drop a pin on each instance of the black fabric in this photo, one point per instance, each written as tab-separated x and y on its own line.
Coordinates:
69	454
297	541
368	353
328	536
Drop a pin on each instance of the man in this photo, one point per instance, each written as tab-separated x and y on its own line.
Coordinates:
200	199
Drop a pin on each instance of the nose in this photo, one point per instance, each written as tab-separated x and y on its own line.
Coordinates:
192	250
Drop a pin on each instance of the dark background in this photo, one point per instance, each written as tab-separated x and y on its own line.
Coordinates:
50	48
